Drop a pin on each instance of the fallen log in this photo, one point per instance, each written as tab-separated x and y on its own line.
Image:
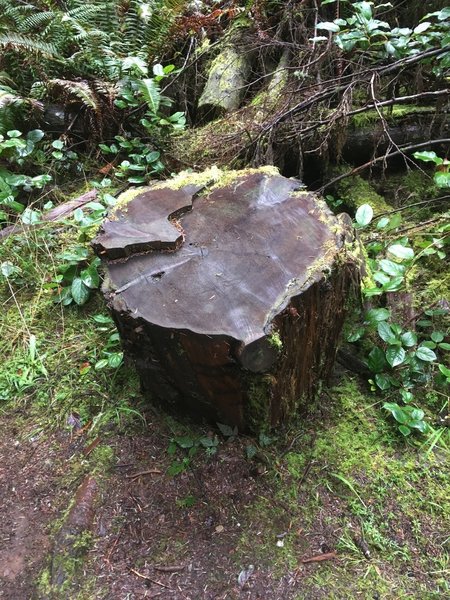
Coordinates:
229	298
227	78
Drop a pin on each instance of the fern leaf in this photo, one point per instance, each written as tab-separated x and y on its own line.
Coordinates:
151	94
17	41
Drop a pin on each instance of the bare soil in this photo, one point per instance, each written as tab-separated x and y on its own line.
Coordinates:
183	537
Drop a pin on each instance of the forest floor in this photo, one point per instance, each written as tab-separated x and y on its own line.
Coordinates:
103	497
339	487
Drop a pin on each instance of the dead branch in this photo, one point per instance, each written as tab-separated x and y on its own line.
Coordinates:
366	165
55	214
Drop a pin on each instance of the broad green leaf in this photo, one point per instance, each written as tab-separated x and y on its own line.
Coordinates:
152	156
103	319
429	344
375	315
158	70
442	179
406	396
420	425
356	334
401	252
425	354
376	360
392	268
365	9
364	215
383	381
90	277
80	292
35	135
428	156
409	339
397	412
136	179
115	359
382	223
395	356
404	430
393	285
444	370
328	26
444	346
417	414
101	364
422	27
30	217
385	332
14	133
184	442
381	277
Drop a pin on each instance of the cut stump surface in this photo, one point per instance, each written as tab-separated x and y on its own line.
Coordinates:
218	290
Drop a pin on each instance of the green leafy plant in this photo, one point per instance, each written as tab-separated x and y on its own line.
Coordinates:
362	31
111	354
24	372
442	174
143	159
14	149
401	359
77	276
190	446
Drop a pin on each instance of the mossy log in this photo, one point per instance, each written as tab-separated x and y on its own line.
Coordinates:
227	78
229	298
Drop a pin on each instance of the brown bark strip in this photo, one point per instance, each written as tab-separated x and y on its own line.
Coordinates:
149	472
320	557
170	569
59	212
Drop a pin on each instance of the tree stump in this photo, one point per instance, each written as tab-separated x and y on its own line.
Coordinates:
229	296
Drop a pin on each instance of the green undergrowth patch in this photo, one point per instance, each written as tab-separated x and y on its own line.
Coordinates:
50	352
350	483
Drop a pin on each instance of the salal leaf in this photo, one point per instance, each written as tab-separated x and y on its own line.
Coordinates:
80	291
375	315
402	252
364	215
376	360
428	156
425	354
409	339
395	356
328	26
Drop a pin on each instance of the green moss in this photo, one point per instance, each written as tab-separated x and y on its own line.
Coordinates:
258	402
356	191
391	114
275	341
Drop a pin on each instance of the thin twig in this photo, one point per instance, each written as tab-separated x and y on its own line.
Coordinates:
150	579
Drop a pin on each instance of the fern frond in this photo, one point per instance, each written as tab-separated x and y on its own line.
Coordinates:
19	42
150	93
35	21
78	89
